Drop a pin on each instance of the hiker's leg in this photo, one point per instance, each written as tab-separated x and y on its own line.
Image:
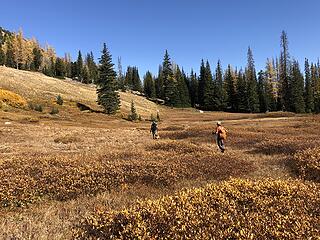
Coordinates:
221	144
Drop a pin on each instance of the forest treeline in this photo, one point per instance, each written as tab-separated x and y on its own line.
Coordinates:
282	85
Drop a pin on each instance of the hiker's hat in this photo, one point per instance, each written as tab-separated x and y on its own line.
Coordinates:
219	123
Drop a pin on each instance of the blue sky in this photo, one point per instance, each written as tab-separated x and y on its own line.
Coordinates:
140	30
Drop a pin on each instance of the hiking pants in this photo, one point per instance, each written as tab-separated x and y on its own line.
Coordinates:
154	134
221	145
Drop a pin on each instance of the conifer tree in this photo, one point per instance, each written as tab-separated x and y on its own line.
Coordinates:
60	69
108	98
193	90
262	92
37	58
149	86
284	69
208	97
2	56
309	98
297	103
230	88
241	93
183	99
133	116
9	61
272	84
169	83
315	79
251	80
137	85
220	94
79	66
159	84
129	78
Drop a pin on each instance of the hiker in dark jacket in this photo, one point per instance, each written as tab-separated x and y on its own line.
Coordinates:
154	129
221	134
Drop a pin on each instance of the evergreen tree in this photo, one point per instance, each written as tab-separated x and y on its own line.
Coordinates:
108	98
133	116
149	86
2	56
183	99
137	85
129	78
220	94
309	97
284	68
169	83
251	80
230	88
202	83
193	90
315	79
241	93
85	75
208	97
79	67
37	58
297	89
10	62
91	69
262	92
60	69
159	84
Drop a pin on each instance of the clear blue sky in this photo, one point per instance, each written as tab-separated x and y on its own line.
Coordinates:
140	30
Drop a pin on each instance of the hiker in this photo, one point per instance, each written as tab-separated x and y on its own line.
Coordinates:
154	129
221	135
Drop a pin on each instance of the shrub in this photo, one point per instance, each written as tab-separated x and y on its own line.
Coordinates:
307	163
38	108
59	100
236	209
12	99
54	110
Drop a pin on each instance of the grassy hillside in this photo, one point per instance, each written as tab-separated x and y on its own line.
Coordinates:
36	87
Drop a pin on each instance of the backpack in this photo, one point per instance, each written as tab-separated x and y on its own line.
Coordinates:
222	133
154	126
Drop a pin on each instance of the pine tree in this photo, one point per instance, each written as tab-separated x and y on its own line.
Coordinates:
169	83
315	79
230	88
220	94
79	67
159	84
2	56
60	69
284	68
149	86
37	58
262	92
9	61
108	98
208	97
309	98
137	85
183	99
241	93
296	89
133	116
251	80
129	78
193	90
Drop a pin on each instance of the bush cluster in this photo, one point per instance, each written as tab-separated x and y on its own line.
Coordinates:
307	163
236	209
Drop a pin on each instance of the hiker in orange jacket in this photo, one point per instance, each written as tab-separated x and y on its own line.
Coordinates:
221	134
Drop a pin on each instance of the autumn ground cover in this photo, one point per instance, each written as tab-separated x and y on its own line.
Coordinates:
57	172
80	174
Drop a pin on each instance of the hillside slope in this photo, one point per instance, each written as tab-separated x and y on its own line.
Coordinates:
37	87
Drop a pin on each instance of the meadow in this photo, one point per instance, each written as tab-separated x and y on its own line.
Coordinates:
85	175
